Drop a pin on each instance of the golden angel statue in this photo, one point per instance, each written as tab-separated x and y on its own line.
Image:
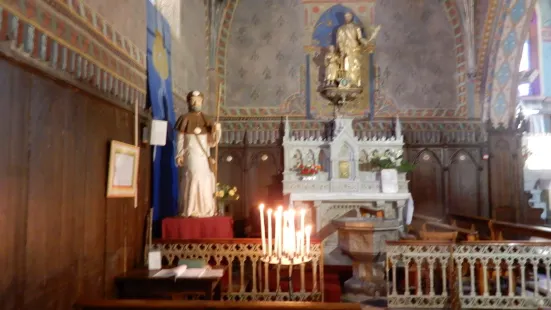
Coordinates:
350	45
197	134
332	66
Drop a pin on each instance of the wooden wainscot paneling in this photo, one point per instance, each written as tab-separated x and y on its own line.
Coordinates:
264	168
61	238
426	181
506	174
465	182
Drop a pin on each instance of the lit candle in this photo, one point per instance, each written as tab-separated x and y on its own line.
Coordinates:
302	216
292	233
270	236
298	247
285	232
307	232
280	233
262	229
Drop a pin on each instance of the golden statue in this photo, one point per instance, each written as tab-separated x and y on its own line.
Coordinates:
332	66
351	44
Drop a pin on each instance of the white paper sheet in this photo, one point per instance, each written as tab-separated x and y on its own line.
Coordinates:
154	260
158	132
124	170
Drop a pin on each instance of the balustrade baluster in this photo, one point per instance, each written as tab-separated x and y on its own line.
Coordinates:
510	273
419	271
535	271
498	272
406	268
302	278
471	265
484	263
444	276
431	276
254	261
547	276
266	280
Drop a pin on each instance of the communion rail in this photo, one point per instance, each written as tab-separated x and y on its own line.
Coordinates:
473	274
247	277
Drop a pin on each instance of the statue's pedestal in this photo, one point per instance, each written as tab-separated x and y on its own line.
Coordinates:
364	241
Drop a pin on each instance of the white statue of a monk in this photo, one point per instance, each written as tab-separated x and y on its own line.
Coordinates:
197	134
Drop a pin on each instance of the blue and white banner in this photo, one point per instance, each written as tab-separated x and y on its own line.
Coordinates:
164	192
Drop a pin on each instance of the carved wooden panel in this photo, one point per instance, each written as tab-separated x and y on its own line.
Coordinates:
463	196
264	176
231	164
426	181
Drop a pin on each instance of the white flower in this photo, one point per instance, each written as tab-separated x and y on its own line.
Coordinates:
195	93
197	130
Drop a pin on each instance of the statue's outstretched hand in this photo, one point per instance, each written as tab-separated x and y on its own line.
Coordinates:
180	161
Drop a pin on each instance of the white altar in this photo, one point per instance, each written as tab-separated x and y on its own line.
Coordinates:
344	182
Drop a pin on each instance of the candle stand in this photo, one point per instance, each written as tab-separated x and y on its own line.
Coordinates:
287	246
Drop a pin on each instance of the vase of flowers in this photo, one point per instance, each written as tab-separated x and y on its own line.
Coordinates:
308	172
389	164
224	193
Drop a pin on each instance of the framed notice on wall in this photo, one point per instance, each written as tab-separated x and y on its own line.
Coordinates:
122	178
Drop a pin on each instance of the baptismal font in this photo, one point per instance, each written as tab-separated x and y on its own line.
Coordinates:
343	64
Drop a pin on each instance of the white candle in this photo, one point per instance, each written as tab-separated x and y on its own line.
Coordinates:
292	233
307	232
302	216
285	232
280	233
262	229
298	246
270	236
276	231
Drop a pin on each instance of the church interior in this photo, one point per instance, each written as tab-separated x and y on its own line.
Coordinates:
275	154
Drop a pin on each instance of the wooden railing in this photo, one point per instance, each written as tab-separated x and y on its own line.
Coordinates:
472	275
249	279
199	305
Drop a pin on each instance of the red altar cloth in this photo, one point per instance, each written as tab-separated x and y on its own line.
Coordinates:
198	228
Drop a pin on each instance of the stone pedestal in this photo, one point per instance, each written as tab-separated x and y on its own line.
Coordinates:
364	241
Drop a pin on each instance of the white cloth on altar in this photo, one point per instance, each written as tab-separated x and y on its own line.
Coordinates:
198	186
409	210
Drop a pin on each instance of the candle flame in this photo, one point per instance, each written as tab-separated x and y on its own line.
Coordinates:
269	211
261	206
308	229
302	212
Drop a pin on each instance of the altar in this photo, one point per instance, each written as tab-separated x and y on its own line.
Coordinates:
331	177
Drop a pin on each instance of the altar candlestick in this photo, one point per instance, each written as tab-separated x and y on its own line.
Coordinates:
262	229
308	232
270	236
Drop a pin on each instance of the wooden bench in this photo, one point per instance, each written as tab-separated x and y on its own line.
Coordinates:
462	233
511	231
97	304
473	222
418	220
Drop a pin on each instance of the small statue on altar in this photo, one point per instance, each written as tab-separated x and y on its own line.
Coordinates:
332	66
351	44
197	134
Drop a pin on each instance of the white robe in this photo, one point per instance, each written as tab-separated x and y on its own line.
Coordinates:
197	186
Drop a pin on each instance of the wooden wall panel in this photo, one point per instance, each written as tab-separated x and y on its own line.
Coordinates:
230	171
14	170
426	182
464	186
61	237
